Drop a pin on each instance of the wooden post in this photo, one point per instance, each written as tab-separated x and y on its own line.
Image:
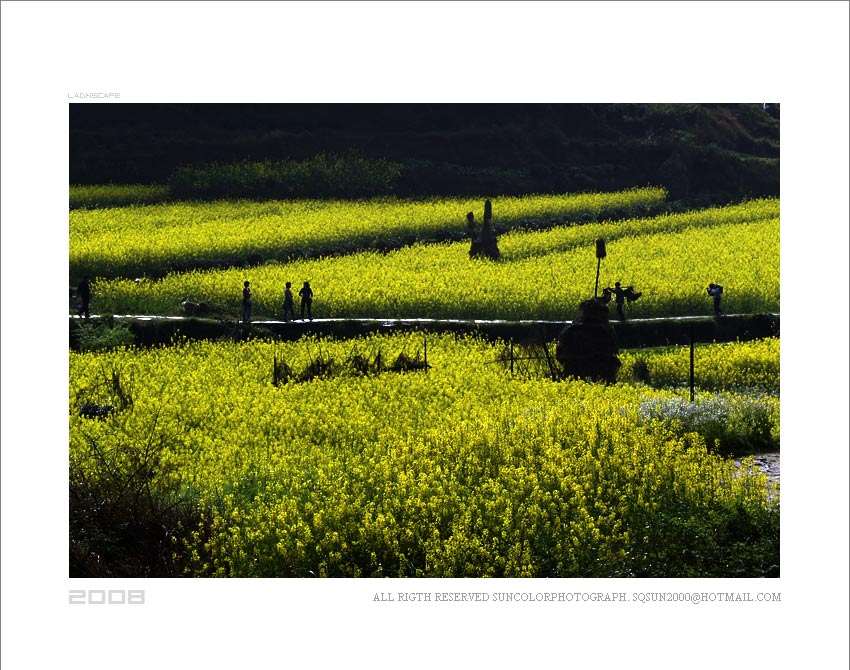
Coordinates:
425	340
600	254
691	379
512	356
596	286
549	364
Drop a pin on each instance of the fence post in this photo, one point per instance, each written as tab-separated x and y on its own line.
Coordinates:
600	254
691	378
512	357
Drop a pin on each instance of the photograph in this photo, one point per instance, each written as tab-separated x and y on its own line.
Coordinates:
444	334
414	340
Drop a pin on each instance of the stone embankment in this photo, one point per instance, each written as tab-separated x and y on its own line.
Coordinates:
631	334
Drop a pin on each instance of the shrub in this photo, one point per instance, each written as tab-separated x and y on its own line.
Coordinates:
640	371
101	334
732	426
123	522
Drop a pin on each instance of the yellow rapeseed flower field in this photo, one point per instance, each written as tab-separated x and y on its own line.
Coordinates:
134	240
724	366
252	467
463	470
539	277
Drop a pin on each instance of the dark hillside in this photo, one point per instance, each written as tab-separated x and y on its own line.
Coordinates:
715	152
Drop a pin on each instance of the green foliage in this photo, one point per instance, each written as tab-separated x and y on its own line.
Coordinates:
127	507
732	540
640	370
104	333
731	425
113	195
448	149
323	176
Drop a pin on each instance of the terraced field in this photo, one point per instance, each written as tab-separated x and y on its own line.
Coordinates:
421	454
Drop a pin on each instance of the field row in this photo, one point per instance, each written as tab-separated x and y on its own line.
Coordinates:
718	367
672	270
463	470
102	196
133	241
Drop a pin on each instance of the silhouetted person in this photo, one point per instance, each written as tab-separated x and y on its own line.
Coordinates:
620	297
306	294
84	296
246	302
715	291
288	303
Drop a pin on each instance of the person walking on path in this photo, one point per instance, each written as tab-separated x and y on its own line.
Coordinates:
288	303
619	298
621	295
715	291
246	302
306	294
84	296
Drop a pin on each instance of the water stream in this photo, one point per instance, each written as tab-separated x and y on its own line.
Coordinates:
767	463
